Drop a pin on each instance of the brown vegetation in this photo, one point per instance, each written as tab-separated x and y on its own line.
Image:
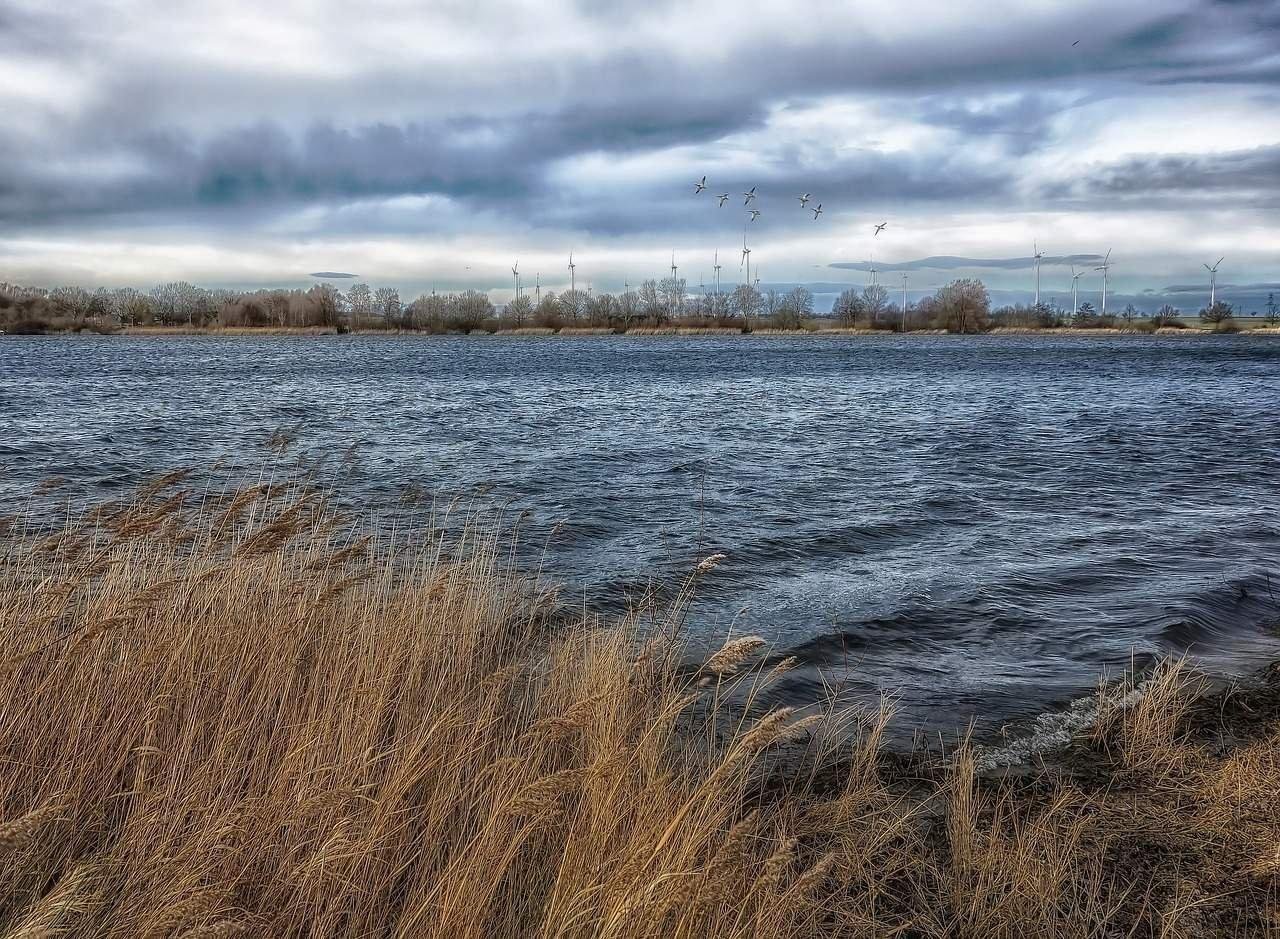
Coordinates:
243	715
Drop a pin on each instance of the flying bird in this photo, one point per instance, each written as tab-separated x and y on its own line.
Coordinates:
804	200
879	228
701	185
750	194
723	197
755	214
1076	43
816	212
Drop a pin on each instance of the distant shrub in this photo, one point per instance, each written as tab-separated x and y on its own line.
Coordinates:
27	327
1219	312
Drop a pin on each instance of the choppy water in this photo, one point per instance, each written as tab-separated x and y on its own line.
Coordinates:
979	524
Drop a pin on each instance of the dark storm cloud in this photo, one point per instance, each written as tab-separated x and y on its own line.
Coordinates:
472	158
1256	170
1022	119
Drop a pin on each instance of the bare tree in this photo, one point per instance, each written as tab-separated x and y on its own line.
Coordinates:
875	303
470	310
628	308
672	290
848	308
360	299
519	310
386	303
651	301
963	306
745	301
1219	312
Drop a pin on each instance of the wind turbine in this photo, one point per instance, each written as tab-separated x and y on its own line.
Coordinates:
746	258
1213	281
1075	289
875	282
716	269
1037	258
537	288
573	282
904	301
515	272
1105	267
673	265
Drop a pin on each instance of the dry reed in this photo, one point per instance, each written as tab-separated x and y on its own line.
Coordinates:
278	725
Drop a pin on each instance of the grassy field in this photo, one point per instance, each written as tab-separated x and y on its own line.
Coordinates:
242	714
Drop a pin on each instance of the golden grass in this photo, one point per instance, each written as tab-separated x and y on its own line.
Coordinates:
242	715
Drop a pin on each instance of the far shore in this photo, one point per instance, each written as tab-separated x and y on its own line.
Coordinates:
679	331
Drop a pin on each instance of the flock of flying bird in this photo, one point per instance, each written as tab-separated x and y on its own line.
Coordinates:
753	213
750	196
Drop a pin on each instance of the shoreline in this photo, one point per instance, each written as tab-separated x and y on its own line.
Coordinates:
681	332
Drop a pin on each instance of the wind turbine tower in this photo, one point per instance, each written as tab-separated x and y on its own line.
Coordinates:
573	277
1075	290
904	301
1213	281
716	269
1037	258
1105	267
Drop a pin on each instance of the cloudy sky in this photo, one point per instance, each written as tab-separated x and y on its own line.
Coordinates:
414	142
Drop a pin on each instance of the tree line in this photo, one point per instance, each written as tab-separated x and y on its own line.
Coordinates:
962	306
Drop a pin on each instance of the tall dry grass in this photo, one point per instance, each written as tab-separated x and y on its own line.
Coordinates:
243	715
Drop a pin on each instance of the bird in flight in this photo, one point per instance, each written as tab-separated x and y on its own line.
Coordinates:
804	200
816	212
879	228
723	197
750	194
755	214
1076	43
701	185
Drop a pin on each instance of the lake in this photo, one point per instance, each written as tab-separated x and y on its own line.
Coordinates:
978	524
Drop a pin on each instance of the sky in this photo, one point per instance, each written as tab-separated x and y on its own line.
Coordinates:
434	144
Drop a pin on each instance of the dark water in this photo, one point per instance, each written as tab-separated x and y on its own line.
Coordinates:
980	524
